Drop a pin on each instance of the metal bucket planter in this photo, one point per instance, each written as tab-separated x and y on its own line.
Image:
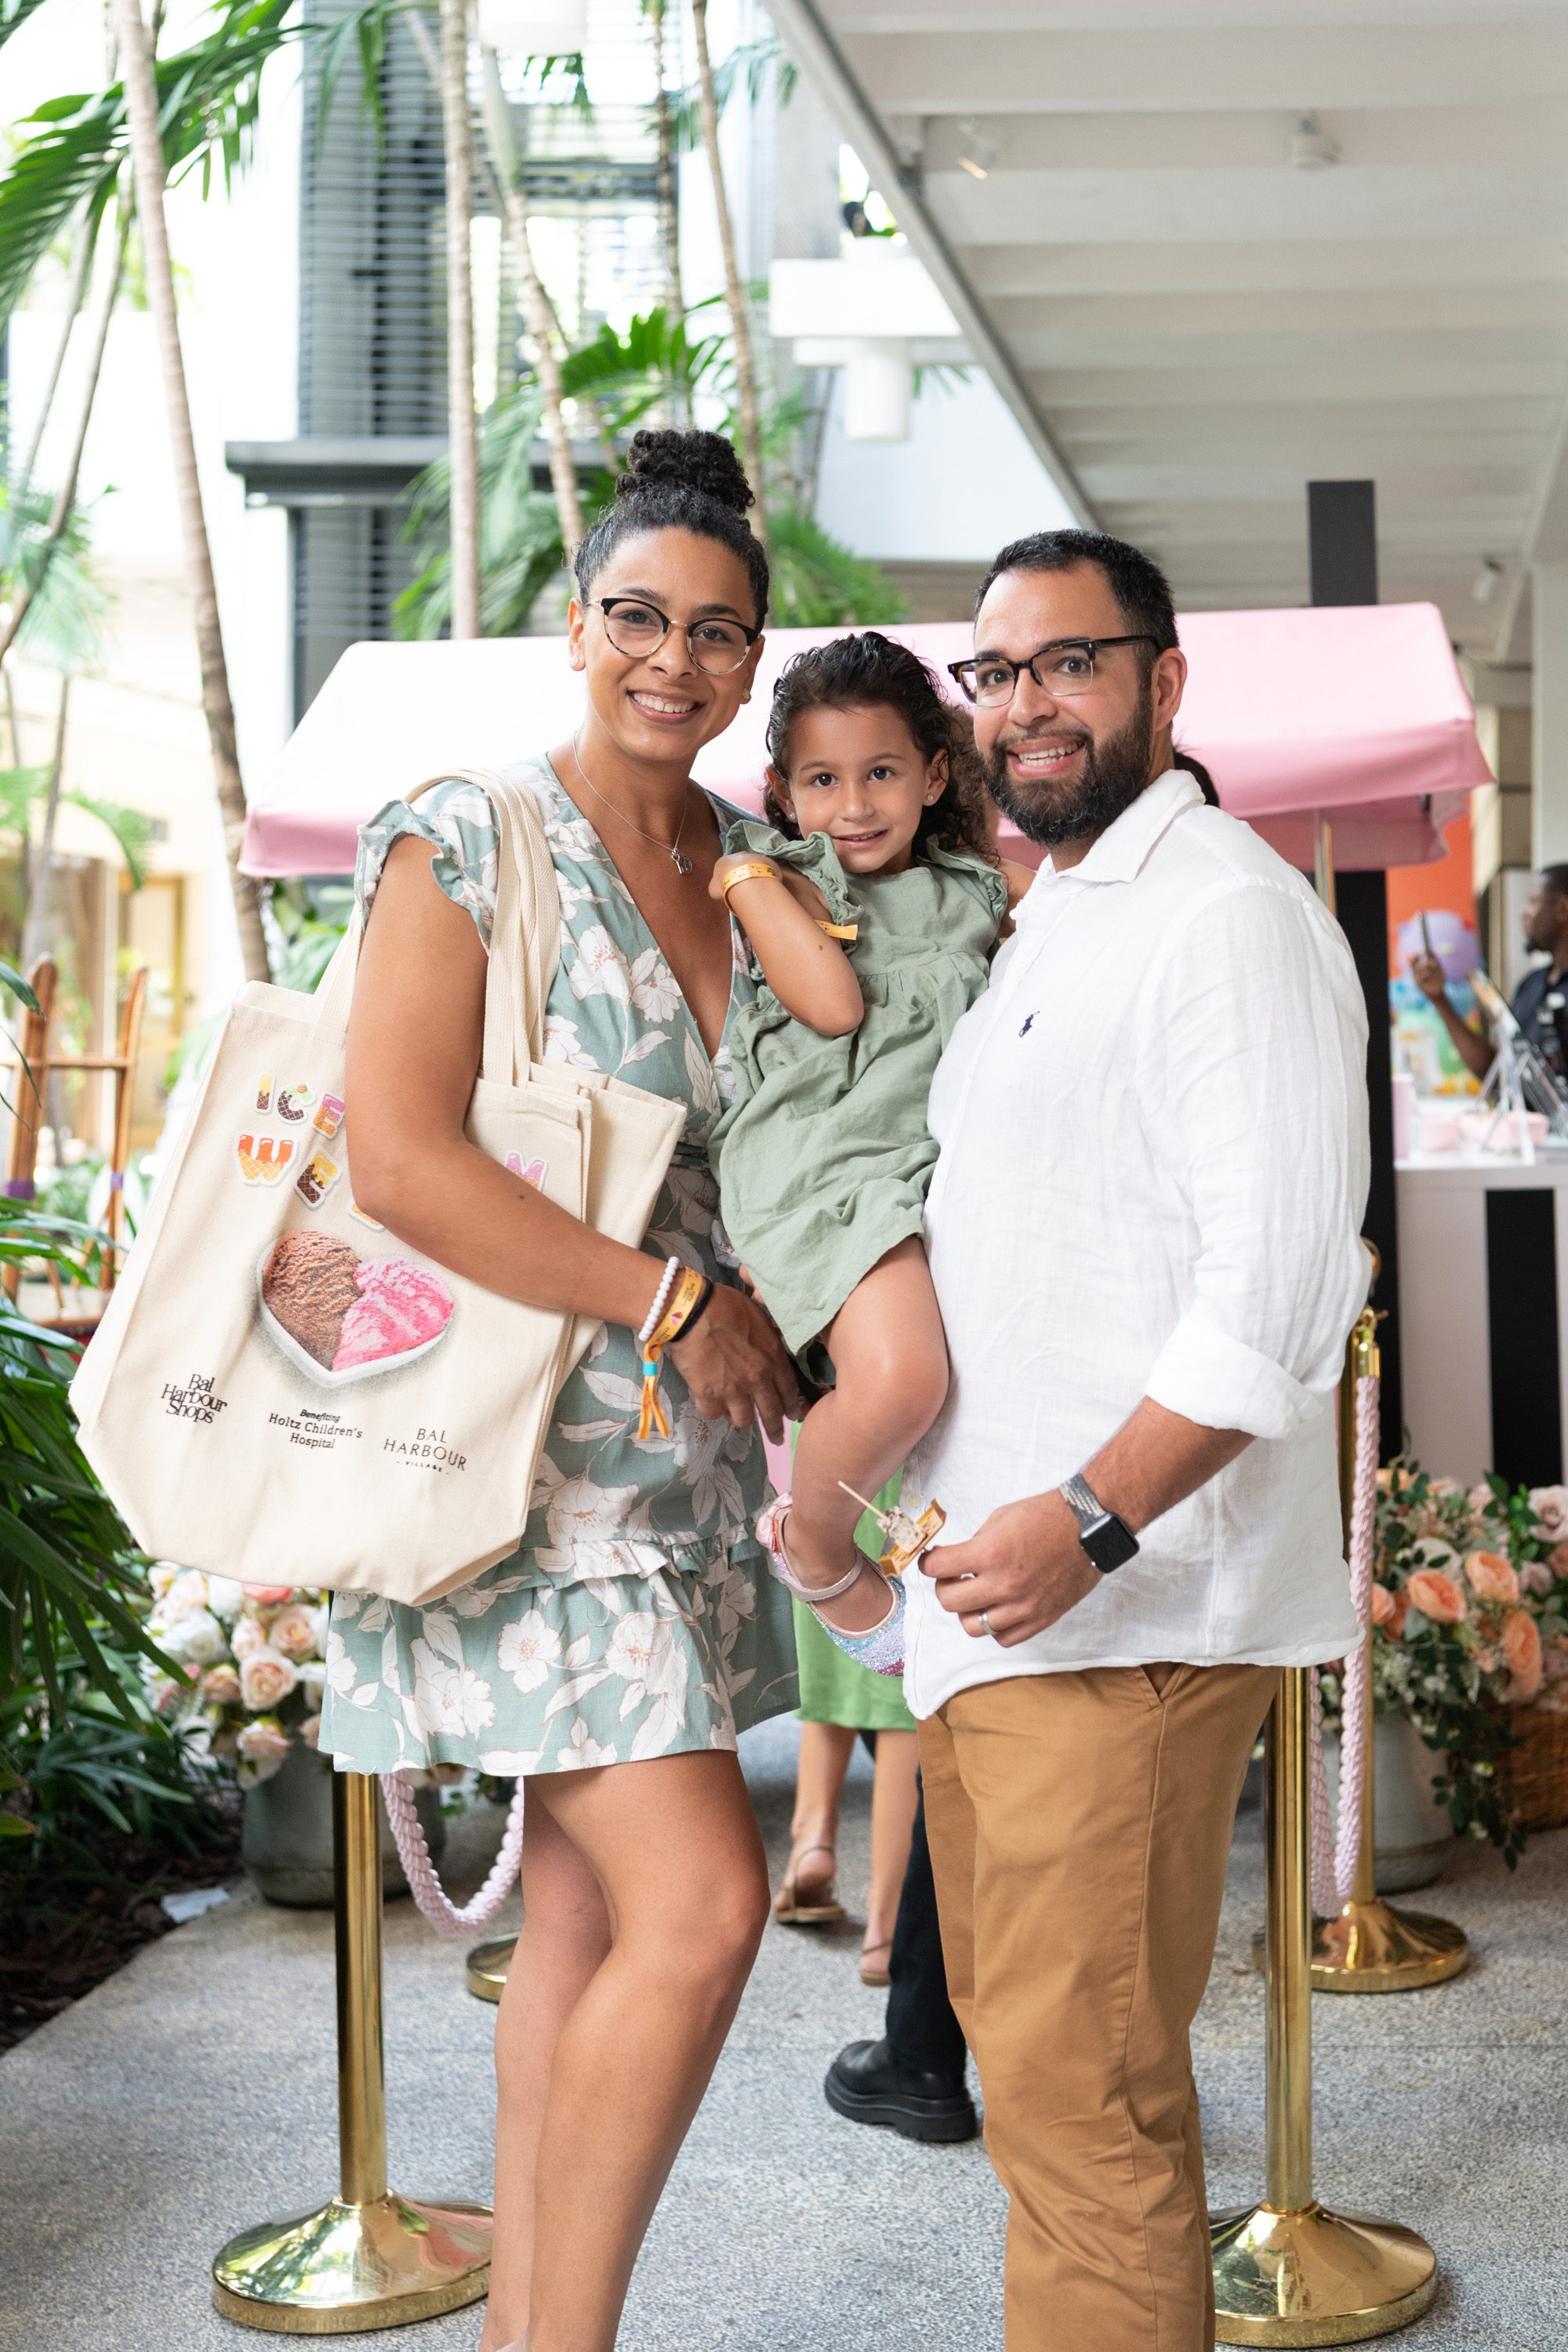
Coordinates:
1413	1831
287	1844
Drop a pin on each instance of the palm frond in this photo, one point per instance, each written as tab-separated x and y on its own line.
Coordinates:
12	980
131	827
520	528
752	62
361	35
68	162
627	371
14	15
543	76
817	583
60	627
20	788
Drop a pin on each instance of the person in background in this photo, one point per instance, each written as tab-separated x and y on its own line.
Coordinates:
1541	999
837	1700
913	2080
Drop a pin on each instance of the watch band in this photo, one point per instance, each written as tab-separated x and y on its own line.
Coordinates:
1081	1499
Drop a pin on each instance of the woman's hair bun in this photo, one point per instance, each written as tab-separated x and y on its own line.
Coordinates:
703	462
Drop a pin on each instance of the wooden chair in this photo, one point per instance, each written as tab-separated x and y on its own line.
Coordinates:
30	1067
71	1317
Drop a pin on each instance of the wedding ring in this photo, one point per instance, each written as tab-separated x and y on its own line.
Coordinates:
986	1624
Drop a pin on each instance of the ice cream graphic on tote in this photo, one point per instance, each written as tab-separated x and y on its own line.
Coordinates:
263	1158
339	1318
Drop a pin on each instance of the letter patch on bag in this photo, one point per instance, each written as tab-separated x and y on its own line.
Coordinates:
263	1158
534	1174
316	1178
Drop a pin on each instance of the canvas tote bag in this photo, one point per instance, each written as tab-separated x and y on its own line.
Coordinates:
282	1391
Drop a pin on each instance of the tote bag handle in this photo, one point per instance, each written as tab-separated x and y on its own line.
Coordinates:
525	936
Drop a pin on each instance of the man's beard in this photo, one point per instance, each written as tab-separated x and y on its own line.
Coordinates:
1114	772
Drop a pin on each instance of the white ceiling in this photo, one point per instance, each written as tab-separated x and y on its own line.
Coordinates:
1188	326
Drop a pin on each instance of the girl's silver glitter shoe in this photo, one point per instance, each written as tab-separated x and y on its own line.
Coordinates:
880	1648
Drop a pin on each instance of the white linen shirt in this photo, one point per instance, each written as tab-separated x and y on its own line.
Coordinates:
1154	1164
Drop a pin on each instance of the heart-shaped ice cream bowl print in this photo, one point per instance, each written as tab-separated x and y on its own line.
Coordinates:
395	1317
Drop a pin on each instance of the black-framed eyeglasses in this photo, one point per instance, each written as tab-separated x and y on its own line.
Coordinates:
634	627
1061	669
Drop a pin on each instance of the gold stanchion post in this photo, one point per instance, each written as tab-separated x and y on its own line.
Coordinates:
487	1965
1288	2271
1369	1947
369	2258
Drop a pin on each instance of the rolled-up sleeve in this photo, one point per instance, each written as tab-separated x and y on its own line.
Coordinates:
1254	1086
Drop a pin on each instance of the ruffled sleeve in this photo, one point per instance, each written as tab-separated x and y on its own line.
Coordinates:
987	882
457	821
815	857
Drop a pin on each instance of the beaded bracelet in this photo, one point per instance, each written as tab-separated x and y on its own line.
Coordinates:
690	1297
671	1268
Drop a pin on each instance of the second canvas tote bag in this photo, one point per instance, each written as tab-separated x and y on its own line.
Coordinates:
282	1391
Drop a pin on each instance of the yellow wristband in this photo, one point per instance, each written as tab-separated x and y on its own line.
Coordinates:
757	869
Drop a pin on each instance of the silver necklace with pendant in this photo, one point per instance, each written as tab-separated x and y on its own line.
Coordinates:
677	858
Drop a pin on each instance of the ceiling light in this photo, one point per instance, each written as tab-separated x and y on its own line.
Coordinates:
1488	580
1310	148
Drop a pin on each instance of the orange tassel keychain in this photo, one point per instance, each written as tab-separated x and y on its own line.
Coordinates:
687	1300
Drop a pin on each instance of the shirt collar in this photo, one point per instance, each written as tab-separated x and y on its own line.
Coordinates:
1121	850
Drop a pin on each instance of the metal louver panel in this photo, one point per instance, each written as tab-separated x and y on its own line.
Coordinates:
372	354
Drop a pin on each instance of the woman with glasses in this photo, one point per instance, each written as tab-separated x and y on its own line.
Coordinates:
616	1655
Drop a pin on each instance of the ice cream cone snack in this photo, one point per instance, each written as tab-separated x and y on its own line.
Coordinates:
908	1535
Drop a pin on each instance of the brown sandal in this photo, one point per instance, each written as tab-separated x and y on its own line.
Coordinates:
875	1972
823	1911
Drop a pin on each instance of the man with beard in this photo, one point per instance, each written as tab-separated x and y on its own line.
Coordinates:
1143	1232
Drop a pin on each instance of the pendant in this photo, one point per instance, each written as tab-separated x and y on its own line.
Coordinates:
681	863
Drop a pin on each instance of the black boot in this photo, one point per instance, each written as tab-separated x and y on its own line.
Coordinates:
865	2083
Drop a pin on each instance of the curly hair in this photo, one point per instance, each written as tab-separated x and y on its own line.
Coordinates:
866	671
679	481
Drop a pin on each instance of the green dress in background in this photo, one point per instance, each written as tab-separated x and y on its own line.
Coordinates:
825	1157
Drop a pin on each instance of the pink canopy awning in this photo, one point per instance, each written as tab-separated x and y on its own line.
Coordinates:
1355	711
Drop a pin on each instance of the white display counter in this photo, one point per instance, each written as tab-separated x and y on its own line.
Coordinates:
1484	1313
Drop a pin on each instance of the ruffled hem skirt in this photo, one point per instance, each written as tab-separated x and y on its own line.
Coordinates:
520	1673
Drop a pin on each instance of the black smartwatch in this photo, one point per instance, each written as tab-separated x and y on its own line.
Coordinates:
1109	1541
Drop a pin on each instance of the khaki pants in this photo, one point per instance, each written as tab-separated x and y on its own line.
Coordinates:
1079	1825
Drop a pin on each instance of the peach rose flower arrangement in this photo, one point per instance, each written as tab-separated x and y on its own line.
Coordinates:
1469	1611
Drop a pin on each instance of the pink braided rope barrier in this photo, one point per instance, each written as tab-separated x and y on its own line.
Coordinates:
424	1885
1335	1858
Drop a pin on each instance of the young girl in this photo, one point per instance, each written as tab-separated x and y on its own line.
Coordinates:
871	906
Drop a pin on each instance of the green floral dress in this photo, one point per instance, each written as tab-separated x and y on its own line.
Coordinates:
636	1617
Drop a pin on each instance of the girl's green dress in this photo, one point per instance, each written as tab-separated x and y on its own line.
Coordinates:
825	1157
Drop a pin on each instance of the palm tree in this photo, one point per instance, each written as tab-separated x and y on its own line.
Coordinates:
461	424
76	295
64	501
734	292
498	169
141	113
544	327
